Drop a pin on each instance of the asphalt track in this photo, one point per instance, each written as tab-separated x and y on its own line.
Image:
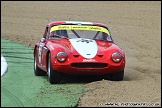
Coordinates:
21	88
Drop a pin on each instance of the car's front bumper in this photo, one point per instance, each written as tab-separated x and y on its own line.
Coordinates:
89	68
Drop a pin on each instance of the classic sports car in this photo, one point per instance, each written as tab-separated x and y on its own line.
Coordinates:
75	47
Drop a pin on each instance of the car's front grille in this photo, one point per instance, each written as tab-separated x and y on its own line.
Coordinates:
89	65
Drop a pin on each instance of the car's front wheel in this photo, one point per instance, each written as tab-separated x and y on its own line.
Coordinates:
117	76
37	70
53	76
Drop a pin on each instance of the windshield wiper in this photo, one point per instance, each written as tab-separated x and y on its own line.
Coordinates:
75	33
96	34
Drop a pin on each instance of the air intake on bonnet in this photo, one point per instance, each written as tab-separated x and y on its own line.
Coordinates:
89	65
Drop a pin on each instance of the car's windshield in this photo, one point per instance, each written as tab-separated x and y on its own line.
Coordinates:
75	31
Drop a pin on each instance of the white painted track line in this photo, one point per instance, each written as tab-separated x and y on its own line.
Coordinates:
3	65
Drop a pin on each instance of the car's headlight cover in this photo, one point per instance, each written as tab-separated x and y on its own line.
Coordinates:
61	56
116	57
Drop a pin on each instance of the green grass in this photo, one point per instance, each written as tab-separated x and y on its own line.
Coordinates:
21	88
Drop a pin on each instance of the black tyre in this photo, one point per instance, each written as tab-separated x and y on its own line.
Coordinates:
53	76
117	76
37	70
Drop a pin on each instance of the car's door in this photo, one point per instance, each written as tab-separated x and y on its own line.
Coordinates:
42	50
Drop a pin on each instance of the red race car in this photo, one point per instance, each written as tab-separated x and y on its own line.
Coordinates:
75	47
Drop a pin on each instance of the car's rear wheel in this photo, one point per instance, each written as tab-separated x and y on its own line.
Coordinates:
117	76
37	70
53	76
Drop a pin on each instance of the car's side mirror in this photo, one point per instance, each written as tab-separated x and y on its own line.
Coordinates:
43	40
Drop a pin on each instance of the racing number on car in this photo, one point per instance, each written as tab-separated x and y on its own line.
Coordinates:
39	53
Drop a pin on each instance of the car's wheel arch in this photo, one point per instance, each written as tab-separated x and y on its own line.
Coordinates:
35	50
47	58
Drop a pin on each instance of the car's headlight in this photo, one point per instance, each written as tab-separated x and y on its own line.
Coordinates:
116	57
61	56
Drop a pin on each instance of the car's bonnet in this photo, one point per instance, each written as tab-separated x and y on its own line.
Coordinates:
85	47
